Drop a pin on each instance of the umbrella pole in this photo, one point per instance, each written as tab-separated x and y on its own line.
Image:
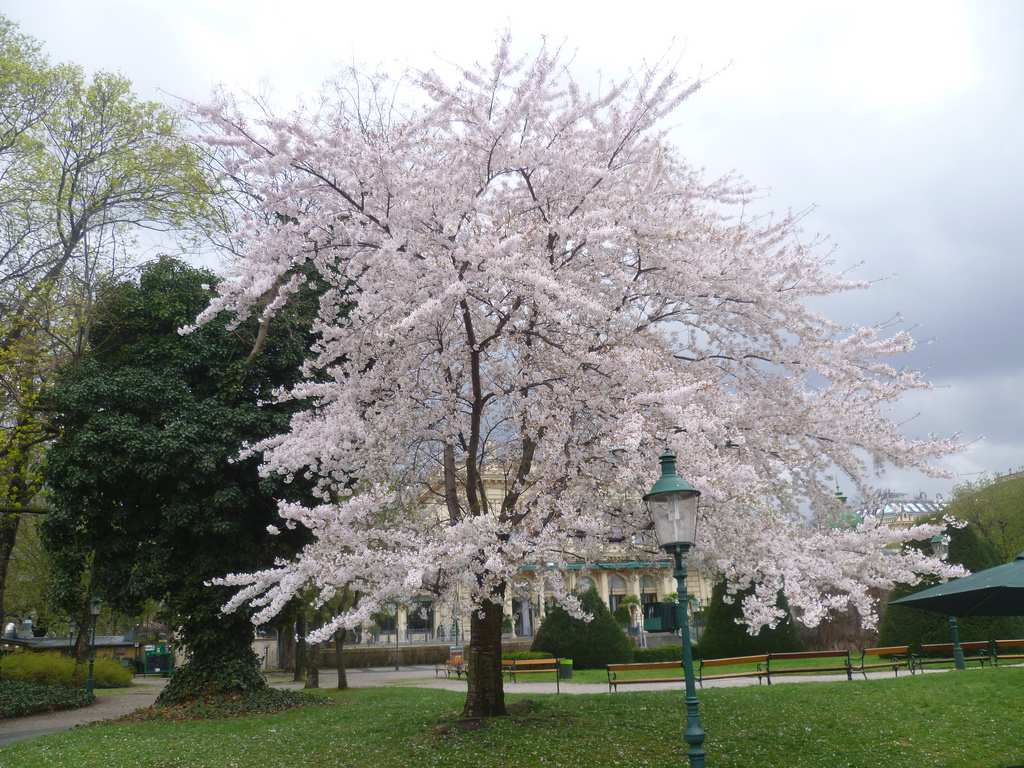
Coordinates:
958	653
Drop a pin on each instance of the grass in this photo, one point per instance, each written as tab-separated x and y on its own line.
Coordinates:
967	720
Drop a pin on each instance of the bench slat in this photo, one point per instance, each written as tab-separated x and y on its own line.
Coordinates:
808	655
762	657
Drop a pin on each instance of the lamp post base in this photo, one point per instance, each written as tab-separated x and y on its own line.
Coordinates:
694	733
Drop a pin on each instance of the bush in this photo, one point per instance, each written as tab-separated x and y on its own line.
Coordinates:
23	697
591	645
723	637
57	669
903	625
622	617
662	653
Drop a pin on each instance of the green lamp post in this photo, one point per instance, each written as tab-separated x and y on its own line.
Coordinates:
940	548
94	610
672	504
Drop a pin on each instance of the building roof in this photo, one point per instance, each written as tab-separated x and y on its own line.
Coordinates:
899	510
61	643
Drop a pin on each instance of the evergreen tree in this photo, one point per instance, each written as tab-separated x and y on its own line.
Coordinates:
149	498
724	637
903	625
590	644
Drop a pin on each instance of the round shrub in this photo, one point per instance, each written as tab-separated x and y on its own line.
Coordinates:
591	645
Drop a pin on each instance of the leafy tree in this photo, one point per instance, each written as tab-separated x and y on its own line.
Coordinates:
725	634
84	166
903	625
590	644
995	509
145	481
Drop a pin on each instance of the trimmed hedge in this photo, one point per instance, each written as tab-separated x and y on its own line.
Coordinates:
57	669
23	697
524	655
661	653
590	645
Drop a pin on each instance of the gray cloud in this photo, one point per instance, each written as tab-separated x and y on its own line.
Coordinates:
900	122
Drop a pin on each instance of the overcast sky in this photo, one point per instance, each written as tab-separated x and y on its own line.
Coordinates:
900	122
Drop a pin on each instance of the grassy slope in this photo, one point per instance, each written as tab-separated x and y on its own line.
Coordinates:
932	721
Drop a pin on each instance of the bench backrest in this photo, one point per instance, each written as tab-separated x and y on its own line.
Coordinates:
888	650
646	665
808	655
947	648
455	661
1007	644
734	660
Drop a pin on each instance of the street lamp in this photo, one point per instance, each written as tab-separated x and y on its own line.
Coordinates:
94	610
940	548
672	504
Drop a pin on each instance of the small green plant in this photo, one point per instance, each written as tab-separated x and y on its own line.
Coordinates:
622	617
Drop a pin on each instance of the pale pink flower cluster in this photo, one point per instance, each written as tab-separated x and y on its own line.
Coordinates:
528	289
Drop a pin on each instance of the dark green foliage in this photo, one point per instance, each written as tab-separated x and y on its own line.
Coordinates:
591	645
622	616
723	637
902	625
22	697
144	479
215	706
672	652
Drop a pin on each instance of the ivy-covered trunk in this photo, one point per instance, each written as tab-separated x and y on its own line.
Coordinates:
486	694
220	656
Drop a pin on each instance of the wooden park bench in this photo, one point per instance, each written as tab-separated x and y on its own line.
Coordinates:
454	666
942	653
1007	650
514	666
758	659
897	657
614	670
826	666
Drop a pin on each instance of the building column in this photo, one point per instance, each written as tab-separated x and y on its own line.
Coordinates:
601	580
401	622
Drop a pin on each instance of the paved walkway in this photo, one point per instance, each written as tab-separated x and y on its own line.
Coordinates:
107	707
423	677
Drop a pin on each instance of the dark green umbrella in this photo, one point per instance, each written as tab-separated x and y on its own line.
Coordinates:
997	591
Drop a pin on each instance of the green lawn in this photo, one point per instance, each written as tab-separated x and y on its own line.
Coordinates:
966	720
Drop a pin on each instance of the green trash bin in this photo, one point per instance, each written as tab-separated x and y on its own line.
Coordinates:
565	669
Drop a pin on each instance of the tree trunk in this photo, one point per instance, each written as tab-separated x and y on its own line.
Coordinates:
313	667
339	659
8	536
300	645
486	694
286	659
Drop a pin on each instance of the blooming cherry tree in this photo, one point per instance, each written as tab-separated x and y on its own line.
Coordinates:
525	280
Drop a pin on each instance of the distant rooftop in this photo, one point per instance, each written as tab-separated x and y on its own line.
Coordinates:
897	509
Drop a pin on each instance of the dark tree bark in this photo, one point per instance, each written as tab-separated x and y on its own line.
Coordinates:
9	522
339	659
313	666
300	646
287	646
486	694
